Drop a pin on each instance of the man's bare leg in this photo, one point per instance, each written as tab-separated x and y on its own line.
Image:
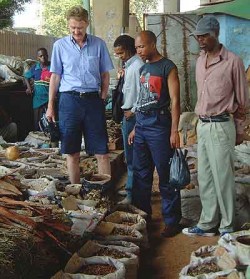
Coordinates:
103	163
73	167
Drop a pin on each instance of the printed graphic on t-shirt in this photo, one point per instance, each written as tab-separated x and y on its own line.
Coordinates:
150	91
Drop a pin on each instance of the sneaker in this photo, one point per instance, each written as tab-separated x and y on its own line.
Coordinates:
223	233
127	200
170	231
193	231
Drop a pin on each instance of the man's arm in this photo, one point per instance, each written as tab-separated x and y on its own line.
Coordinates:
242	99
53	88
174	92
104	85
29	90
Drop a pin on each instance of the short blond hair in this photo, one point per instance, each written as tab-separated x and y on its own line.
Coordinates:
78	13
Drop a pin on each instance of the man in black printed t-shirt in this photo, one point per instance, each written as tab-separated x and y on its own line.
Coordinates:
156	131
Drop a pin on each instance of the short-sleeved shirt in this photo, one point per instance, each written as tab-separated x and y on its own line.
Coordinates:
131	86
41	76
80	68
154	92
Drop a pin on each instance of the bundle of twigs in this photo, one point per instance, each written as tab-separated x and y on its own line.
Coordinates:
21	256
15	244
33	217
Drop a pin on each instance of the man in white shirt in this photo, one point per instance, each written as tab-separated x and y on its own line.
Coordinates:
124	48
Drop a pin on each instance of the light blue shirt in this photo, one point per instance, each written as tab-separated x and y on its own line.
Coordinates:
131	86
80	68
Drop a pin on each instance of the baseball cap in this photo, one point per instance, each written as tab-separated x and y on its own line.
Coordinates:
206	25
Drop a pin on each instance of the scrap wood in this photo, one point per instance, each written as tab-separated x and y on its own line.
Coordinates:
14	181
57	225
4	201
5	221
19	219
7	193
9	187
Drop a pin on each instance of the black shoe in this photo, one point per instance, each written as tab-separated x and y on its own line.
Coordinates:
171	230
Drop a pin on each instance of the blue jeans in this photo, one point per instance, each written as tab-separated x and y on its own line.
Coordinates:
127	127
152	149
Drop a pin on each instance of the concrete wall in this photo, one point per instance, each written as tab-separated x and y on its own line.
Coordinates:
108	19
107	24
171	6
235	35
174	42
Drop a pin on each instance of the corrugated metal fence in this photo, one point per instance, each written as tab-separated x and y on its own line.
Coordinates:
23	45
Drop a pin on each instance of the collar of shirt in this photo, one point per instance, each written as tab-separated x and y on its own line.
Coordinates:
75	43
223	55
130	61
38	66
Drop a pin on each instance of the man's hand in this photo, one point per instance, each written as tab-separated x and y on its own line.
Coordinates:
240	113
131	137
29	91
128	114
175	139
239	139
50	114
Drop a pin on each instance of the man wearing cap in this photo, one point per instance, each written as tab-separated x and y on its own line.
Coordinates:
80	66
221	106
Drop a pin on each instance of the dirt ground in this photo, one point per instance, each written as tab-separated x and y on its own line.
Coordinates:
165	257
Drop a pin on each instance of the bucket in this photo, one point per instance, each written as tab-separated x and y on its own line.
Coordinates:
243	249
96	182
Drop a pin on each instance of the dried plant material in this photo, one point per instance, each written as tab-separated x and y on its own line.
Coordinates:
12	153
70	203
73	189
114	253
219	251
204	252
122	231
9	187
97	269
204	268
104	228
226	262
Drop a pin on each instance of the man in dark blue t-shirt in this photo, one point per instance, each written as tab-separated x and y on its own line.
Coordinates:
156	131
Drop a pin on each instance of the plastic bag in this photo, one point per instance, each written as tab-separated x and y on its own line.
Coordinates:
179	172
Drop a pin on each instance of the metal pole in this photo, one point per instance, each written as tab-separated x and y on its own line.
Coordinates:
86	6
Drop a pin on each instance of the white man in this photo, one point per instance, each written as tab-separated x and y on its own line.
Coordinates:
80	66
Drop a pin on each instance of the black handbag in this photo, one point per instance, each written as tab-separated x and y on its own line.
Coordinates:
117	101
50	129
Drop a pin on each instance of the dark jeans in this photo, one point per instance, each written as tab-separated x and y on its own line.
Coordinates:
152	149
127	127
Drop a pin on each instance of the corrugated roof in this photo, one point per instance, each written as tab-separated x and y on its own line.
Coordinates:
238	8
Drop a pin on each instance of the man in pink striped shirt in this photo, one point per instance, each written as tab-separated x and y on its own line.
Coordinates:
221	107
